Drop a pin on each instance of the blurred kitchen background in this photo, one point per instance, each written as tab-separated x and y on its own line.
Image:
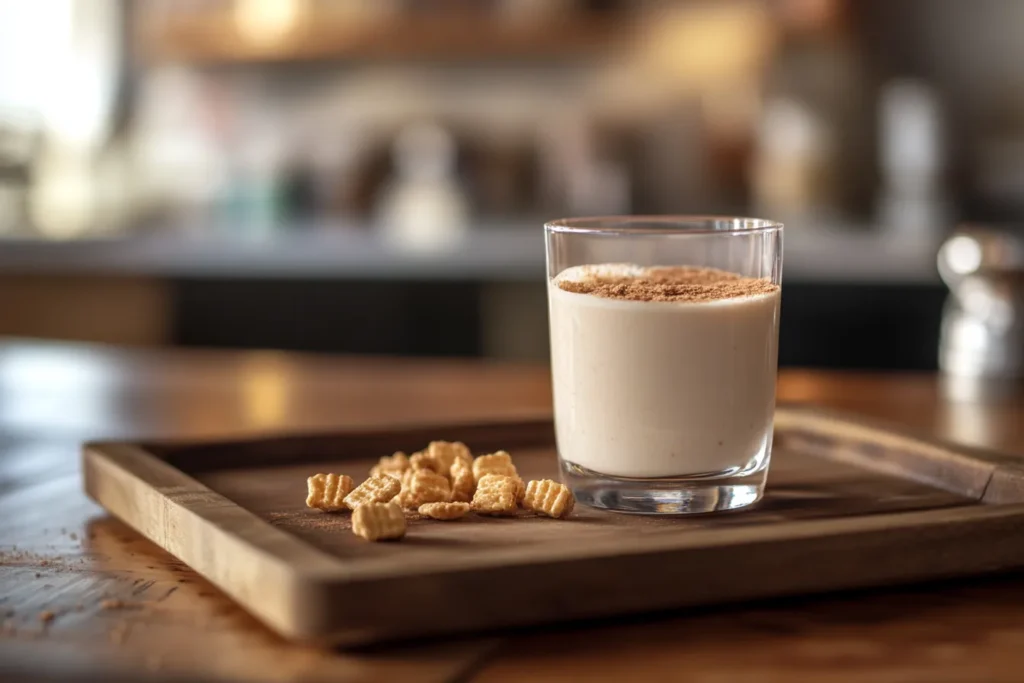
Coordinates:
370	176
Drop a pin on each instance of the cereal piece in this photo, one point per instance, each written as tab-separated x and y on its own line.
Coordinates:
425	461
495	463
392	465
425	486
378	521
549	498
444	511
327	491
377	489
378	471
447	452
520	489
463	482
495	495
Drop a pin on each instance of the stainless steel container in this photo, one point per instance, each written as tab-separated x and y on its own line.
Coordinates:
981	346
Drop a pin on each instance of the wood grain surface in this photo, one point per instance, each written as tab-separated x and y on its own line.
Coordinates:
58	551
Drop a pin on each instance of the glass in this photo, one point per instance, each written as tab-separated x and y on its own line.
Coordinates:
664	406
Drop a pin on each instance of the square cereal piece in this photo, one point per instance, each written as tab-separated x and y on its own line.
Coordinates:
463	482
425	486
520	489
425	461
444	511
549	498
378	521
496	495
379	488
327	491
392	465
494	463
447	452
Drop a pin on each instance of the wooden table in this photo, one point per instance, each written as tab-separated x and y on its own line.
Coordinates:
84	597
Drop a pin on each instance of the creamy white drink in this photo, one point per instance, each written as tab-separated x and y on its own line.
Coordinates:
663	372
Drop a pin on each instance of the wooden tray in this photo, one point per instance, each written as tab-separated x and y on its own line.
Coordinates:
849	504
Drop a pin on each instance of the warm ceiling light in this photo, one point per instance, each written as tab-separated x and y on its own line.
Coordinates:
267	22
707	44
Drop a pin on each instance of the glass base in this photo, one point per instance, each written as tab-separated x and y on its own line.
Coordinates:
665	496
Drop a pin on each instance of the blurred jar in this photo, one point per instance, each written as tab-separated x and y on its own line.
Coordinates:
981	346
912	151
19	143
424	208
812	160
792	173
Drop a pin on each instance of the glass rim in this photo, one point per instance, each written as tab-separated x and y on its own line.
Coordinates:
667	224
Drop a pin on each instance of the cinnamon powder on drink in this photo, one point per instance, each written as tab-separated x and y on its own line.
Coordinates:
671	283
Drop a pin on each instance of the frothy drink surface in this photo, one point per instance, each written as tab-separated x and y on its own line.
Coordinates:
661	372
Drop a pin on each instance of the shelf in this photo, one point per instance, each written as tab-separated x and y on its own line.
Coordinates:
214	38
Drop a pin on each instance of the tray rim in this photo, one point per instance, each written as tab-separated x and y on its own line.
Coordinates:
288	581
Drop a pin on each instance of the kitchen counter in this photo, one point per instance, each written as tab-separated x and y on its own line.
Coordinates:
86	598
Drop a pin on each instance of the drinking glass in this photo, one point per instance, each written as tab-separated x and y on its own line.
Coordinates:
664	406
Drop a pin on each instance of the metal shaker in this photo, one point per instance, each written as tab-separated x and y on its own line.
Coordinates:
981	344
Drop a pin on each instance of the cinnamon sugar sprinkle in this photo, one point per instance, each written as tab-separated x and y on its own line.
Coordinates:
671	283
